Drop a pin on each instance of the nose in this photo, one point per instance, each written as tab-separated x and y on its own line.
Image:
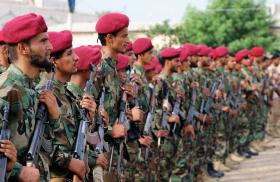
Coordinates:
50	47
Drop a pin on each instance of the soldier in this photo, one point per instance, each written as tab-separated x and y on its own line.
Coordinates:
257	54
64	165
129	52
28	51
150	69
4	61
112	29
274	74
164	132
87	55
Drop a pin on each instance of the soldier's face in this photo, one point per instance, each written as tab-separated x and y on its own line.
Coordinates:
122	75
67	63
175	64
132	56
40	50
148	56
150	74
247	62
120	41
4	53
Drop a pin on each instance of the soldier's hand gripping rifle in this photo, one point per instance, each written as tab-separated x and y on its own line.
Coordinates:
149	119
80	146
210	100
41	122
5	135
164	124
98	170
122	119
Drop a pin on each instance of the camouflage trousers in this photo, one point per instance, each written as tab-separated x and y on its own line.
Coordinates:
183	171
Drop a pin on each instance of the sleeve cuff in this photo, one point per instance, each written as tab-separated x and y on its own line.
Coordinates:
15	171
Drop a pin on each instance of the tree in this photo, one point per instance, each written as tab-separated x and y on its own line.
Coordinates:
164	29
237	24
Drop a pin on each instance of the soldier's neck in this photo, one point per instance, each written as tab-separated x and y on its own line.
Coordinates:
139	63
79	81
62	77
167	71
110	52
30	70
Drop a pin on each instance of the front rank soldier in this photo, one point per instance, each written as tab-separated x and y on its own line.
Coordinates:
64	165
29	50
87	55
112	29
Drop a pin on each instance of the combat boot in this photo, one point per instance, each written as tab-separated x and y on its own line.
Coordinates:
219	166
235	157
212	172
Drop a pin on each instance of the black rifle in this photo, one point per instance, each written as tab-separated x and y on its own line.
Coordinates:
99	147
80	146
121	120
164	124
149	119
176	110
41	122
210	100
192	112
5	135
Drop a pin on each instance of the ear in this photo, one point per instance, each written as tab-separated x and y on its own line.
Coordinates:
109	39
54	61
23	48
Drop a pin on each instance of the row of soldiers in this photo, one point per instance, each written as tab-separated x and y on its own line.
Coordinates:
118	113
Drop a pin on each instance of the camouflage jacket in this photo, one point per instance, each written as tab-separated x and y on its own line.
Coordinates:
2	69
64	136
19	90
107	77
77	95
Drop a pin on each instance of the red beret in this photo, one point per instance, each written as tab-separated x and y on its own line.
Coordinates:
152	65
241	54
141	45
111	22
221	51
128	47
87	55
192	48
184	53
203	50
158	68
95	46
212	54
23	28
123	62
1	37
60	40
257	52
169	53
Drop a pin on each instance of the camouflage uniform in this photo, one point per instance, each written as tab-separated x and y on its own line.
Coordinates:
18	89
76	95
137	167
182	169
107	77
2	69
169	144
